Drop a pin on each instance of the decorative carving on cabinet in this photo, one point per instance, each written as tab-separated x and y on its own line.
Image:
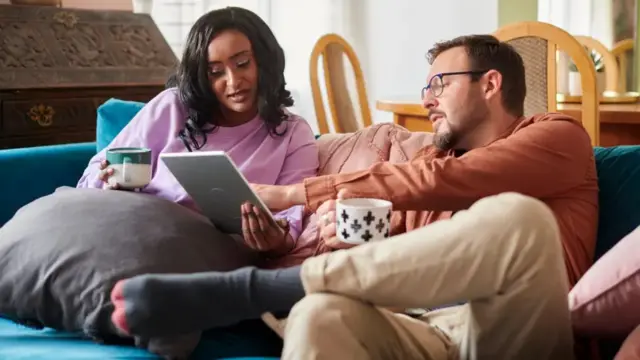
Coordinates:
138	45
52	46
58	65
22	47
42	115
66	18
82	46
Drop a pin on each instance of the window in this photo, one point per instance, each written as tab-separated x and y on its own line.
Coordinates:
175	17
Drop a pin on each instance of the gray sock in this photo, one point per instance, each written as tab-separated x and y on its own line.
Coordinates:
159	305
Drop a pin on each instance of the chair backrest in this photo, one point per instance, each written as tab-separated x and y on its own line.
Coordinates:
621	50
333	48
611	71
538	43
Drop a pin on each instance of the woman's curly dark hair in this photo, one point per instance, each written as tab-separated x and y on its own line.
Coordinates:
193	82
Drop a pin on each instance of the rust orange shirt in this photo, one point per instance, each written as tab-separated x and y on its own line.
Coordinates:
547	156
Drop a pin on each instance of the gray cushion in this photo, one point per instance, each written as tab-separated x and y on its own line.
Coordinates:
61	255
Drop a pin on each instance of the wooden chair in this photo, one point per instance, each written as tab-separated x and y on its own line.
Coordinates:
620	50
538	43
611	71
332	48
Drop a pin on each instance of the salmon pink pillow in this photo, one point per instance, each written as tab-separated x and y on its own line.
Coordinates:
605	301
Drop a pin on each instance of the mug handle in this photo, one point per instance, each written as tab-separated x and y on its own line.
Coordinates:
126	175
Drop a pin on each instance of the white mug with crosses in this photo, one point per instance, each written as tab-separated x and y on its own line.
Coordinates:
362	220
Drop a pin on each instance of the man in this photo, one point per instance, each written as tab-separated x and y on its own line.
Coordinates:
497	251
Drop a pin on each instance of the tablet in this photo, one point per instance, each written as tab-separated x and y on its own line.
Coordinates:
215	184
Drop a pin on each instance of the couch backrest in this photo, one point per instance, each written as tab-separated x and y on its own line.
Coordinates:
619	181
618	171
113	116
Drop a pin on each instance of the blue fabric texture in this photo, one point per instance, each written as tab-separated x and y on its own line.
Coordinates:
113	116
29	173
619	180
248	340
63	165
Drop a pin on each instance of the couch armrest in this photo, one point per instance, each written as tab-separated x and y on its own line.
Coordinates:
30	173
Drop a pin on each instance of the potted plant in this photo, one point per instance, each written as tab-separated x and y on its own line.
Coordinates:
575	84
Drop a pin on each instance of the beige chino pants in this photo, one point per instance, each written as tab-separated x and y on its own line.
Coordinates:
502	256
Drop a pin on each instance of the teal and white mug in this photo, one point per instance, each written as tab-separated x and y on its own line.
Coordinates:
131	167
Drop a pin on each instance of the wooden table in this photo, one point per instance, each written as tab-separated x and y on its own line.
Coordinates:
619	123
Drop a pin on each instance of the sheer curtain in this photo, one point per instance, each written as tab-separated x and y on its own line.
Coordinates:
175	17
296	24
578	17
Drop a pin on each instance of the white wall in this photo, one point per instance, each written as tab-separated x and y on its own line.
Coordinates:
297	25
400	32
390	37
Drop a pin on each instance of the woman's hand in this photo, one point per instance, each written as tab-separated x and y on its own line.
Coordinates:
263	234
327	226
280	197
104	175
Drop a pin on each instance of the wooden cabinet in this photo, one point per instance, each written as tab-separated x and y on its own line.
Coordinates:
58	65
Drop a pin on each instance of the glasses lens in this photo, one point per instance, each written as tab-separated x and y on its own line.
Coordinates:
436	86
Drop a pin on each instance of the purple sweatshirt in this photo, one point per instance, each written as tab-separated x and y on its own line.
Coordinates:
261	157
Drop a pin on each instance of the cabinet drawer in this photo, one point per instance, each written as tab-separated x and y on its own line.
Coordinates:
46	139
22	117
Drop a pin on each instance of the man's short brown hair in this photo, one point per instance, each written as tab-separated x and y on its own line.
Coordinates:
485	53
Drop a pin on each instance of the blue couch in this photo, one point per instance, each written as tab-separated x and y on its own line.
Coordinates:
29	173
33	172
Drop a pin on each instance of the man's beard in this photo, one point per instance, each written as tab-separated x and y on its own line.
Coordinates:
451	137
445	140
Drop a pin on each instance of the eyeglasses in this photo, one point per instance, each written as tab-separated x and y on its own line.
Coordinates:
436	86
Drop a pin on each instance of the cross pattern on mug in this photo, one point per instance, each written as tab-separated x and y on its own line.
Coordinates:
380	225
369	218
356	226
345	216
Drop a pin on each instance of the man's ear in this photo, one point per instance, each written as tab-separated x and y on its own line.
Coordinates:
492	83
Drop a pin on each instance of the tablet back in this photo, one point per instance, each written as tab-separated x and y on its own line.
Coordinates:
215	184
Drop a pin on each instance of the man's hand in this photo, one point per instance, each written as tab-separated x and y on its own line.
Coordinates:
327	226
263	234
280	197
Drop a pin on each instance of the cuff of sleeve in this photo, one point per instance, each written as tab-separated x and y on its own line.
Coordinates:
312	274
318	190
91	182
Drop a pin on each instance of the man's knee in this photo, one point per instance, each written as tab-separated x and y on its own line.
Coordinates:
516	214
317	313
526	212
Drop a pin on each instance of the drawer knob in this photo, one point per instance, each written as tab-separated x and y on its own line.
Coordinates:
42	114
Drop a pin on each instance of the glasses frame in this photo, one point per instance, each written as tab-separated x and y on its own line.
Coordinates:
424	90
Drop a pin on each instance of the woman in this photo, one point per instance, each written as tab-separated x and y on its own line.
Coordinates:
230	96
